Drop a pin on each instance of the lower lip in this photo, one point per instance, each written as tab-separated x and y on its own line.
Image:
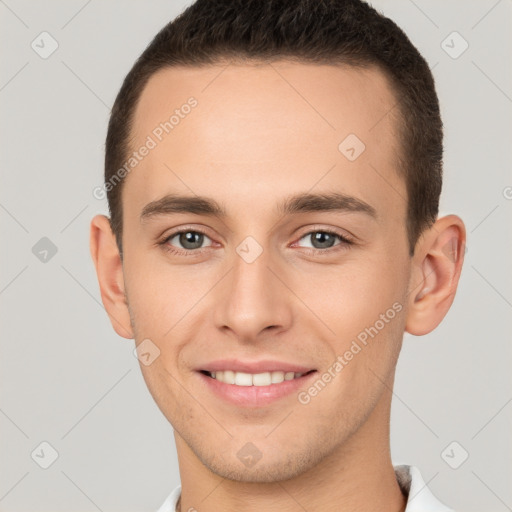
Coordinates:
254	396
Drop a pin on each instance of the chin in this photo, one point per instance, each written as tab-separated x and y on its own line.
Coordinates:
258	474
281	467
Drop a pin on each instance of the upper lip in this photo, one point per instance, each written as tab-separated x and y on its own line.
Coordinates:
253	366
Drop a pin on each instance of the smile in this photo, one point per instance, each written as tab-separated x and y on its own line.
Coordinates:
253	379
253	390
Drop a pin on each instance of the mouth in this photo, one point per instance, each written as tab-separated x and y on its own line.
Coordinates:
254	390
254	379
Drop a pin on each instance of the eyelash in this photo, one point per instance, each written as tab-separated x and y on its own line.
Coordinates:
345	242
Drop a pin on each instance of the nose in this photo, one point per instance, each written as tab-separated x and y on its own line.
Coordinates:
253	302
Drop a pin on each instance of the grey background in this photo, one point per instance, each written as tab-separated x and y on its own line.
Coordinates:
69	380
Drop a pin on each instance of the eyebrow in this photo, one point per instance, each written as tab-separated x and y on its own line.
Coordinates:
295	204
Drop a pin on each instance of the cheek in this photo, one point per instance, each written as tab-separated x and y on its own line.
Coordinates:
153	298
352	296
164	299
361	309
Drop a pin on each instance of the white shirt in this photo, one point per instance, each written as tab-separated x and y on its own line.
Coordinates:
420	498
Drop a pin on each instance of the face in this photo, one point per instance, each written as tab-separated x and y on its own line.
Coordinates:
267	277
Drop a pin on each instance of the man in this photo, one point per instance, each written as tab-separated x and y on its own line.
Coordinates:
273	171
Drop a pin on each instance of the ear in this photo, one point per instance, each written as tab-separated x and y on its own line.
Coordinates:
109	269
437	266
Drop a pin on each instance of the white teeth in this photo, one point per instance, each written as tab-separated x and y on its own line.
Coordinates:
250	379
229	377
262	379
243	379
277	377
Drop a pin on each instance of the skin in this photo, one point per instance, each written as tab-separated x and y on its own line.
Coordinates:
261	132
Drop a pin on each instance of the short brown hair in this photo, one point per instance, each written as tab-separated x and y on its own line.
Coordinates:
310	31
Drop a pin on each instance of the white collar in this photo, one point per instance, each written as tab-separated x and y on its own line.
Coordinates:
420	497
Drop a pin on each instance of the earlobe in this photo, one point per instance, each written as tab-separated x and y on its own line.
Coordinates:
109	270
437	267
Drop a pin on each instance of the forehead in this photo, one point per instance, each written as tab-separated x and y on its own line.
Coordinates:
272	126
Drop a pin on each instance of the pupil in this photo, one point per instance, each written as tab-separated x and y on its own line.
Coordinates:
190	239
324	239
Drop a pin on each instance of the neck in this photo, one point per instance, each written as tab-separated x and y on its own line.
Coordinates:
358	475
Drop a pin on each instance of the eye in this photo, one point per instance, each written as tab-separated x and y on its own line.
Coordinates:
324	239
189	239
189	242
